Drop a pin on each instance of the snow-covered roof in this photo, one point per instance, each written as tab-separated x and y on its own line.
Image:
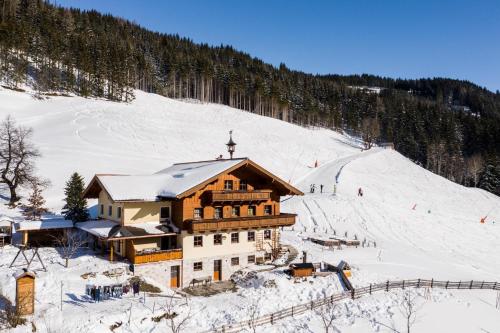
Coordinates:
112	230
5	223
43	224
169	182
99	228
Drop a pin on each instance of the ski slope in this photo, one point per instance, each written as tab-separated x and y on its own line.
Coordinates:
423	225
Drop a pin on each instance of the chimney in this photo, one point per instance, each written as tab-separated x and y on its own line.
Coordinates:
304	257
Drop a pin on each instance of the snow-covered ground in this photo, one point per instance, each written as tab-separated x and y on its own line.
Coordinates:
423	225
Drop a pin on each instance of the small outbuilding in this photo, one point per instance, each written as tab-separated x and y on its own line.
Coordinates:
43	232
25	293
302	269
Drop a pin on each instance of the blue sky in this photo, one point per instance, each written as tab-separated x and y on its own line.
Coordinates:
404	38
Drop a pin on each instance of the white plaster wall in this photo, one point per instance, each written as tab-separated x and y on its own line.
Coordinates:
226	249
158	272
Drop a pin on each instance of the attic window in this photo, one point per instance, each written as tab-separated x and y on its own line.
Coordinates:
243	185
228	185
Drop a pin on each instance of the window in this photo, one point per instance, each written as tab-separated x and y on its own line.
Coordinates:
251	236
243	185
228	185
235	237
251	259
198	213
198	241
236	211
218	239
267	234
251	210
235	261
268	210
217	212
102	209
110	210
119	212
198	266
164	213
267	256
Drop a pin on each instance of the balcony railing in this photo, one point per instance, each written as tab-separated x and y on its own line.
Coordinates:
225	196
141	257
241	222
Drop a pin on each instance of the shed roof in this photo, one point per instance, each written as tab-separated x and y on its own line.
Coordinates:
43	224
306	265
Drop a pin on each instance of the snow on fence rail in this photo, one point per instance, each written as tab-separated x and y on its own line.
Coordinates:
354	293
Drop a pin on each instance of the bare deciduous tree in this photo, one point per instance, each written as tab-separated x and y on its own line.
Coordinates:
370	129
176	321
475	165
17	155
69	243
328	314
253	313
409	308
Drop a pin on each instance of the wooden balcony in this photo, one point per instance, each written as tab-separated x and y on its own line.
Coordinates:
143	257
249	222
233	196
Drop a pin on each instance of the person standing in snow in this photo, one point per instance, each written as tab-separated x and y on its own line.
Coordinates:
360	192
98	294
321	188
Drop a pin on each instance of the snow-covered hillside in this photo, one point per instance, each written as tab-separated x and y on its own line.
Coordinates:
424	226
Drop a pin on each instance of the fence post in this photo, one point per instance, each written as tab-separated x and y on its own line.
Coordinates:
495	286
352	293
470	286
292	311
403	284
370	288
223	328
482	284
459	284
312	305
432	283
418	283
387	286
446	284
272	318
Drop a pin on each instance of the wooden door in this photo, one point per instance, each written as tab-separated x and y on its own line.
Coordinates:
174	276
217	270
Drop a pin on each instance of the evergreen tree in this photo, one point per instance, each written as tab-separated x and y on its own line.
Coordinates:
490	179
75	208
34	209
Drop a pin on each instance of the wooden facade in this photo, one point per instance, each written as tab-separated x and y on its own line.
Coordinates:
242	198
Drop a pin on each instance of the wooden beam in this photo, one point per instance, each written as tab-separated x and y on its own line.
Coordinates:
25	237
111	252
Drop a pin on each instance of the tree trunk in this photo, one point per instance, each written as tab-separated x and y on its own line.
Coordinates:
13	195
67	262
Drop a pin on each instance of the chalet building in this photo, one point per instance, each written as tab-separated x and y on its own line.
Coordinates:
192	221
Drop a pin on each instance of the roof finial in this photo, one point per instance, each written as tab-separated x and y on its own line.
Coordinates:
231	145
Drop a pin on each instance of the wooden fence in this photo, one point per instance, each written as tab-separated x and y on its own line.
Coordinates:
353	293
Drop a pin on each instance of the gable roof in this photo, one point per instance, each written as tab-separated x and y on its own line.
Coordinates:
176	181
